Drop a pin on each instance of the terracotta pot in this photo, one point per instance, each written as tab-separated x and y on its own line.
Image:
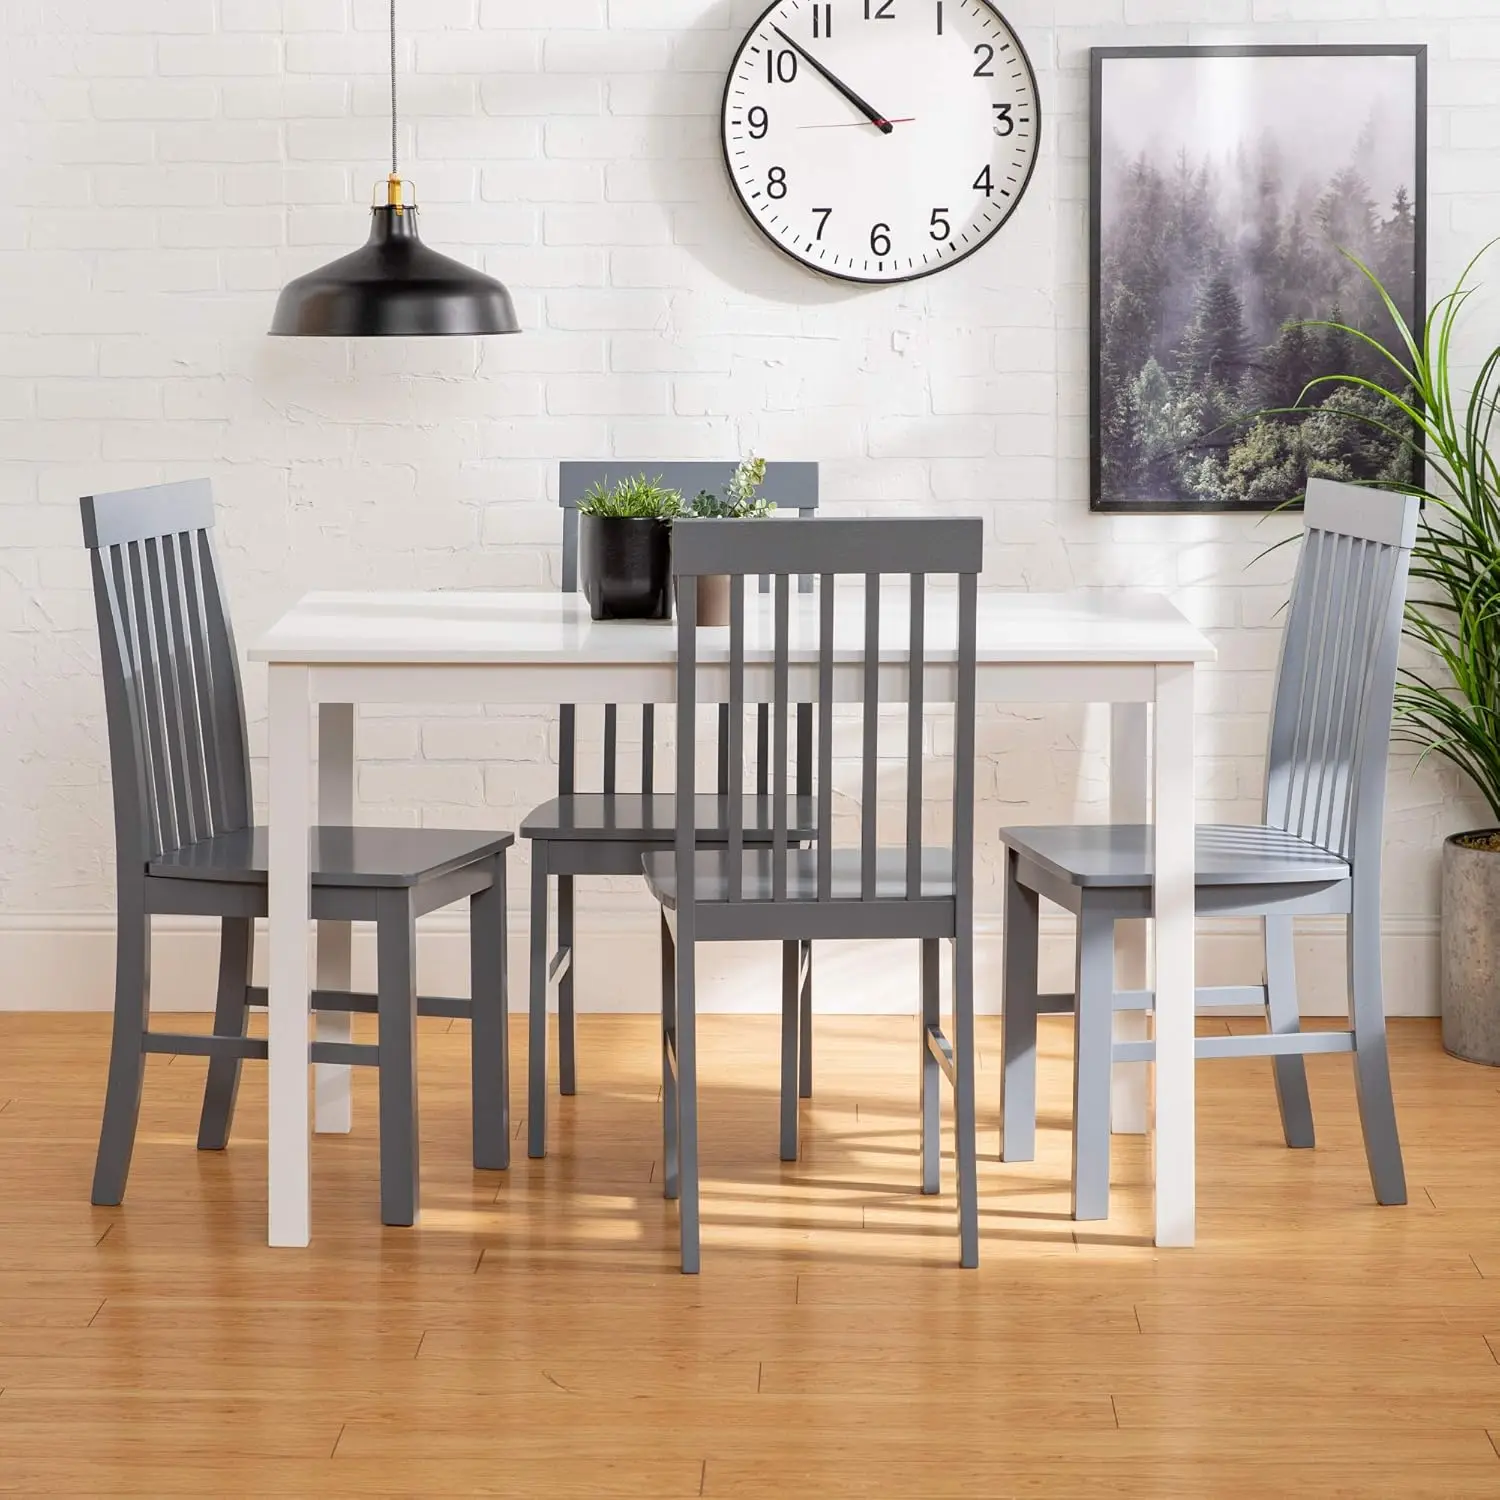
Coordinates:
625	567
1471	946
713	599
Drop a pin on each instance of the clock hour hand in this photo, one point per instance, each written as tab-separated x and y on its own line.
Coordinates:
877	119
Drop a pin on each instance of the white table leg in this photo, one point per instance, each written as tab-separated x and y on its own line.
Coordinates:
1174	1146
289	1166
334	1112
1129	802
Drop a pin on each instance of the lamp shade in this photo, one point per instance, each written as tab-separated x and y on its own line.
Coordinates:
393	287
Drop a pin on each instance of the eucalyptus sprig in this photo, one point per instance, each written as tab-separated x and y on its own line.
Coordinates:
1454	610
738	502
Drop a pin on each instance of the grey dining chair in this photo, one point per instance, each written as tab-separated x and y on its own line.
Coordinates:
606	832
1316	852
780	892
185	844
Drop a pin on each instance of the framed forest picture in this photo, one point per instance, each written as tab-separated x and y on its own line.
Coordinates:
1234	190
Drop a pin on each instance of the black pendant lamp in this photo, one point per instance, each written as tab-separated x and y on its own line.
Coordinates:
393	286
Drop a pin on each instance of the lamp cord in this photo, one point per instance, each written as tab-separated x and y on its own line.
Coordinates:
394	170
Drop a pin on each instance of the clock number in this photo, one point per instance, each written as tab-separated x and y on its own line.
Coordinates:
823	221
940	17
880	10
984	70
781	67
822	21
760	122
776	182
880	240
1004	123
941	228
984	183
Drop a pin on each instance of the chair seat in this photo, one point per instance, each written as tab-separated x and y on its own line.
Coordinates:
711	876
372	857
1120	855
631	818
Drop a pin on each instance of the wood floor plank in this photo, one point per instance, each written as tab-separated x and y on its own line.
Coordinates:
1164	1477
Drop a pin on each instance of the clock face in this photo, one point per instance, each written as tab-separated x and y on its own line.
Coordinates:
880	140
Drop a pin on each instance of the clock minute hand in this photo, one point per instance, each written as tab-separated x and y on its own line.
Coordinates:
877	119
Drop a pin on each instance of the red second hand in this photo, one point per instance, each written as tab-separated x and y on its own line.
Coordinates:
855	124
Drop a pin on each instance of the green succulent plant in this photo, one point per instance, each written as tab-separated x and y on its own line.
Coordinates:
634	499
738	503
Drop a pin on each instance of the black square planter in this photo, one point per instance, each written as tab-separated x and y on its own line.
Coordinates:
625	567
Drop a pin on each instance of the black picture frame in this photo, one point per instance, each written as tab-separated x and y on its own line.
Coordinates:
1100	60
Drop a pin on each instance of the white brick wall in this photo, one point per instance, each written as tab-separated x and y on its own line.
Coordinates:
168	164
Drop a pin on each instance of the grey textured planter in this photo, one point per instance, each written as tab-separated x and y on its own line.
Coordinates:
1471	947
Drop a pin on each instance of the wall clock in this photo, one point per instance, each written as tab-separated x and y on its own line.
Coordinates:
880	140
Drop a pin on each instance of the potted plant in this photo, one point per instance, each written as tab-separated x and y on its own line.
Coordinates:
738	503
625	549
1448	703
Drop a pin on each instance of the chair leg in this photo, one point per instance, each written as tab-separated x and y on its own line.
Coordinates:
536	1049
1283	1018
567	1031
231	1015
931	1074
1093	1054
489	1042
671	1173
965	1148
127	1062
804	1066
791	1025
1018	1020
396	1004
1372	1064
687	1107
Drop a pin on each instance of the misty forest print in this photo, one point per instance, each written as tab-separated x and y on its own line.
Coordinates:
1231	191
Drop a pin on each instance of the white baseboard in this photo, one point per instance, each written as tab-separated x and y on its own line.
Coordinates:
66	963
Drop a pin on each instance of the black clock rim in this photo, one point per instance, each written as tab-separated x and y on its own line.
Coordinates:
828	275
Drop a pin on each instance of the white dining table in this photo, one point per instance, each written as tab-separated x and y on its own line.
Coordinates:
1131	649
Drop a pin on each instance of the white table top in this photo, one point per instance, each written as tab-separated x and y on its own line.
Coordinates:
539	628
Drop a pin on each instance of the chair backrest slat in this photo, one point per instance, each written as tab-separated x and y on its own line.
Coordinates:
227	706
804	755
734	766
163	581
779	715
1340	743
567	732
964	709
1330	724
611	739
870	779
195	756
915	678
826	709
793	488
137	828
1386	570
863	552
179	758
762	749
648	749
196	629
158	758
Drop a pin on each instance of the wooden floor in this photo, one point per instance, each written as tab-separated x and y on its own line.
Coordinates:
533	1338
